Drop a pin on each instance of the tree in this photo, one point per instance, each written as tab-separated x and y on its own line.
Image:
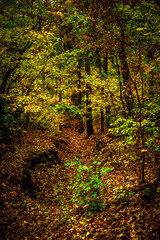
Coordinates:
88	100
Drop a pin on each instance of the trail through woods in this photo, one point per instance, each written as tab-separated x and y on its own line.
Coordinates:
61	62
52	214
79	145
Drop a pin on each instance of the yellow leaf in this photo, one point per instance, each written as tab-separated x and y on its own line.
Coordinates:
60	14
143	150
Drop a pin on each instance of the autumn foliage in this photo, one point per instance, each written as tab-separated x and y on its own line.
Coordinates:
79	119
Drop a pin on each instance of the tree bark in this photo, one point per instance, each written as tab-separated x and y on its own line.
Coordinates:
128	96
88	100
105	66
120	87
81	124
126	78
8	74
102	89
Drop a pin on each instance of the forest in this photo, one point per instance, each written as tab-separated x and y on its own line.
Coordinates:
79	119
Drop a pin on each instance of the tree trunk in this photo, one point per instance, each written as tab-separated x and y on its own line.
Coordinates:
128	96
102	90
105	66
89	111
1	107
60	49
81	124
88	100
120	88
126	79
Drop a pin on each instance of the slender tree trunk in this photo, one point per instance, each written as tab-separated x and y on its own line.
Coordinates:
120	87
81	124
126	79
8	74
1	107
105	66
128	96
60	49
102	89
2	102
88	100
141	131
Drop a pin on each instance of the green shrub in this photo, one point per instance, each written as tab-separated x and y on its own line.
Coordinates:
88	187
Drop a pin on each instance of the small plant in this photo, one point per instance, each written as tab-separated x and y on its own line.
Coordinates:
126	128
88	185
123	193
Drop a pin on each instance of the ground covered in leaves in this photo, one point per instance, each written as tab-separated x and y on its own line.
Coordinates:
76	188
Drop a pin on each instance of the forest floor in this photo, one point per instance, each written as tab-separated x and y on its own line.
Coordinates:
90	194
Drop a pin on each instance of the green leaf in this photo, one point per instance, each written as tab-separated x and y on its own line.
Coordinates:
131	193
122	195
73	200
88	189
94	195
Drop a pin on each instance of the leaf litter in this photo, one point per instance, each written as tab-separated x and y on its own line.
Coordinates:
52	215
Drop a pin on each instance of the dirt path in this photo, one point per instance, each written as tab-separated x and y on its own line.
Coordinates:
79	145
